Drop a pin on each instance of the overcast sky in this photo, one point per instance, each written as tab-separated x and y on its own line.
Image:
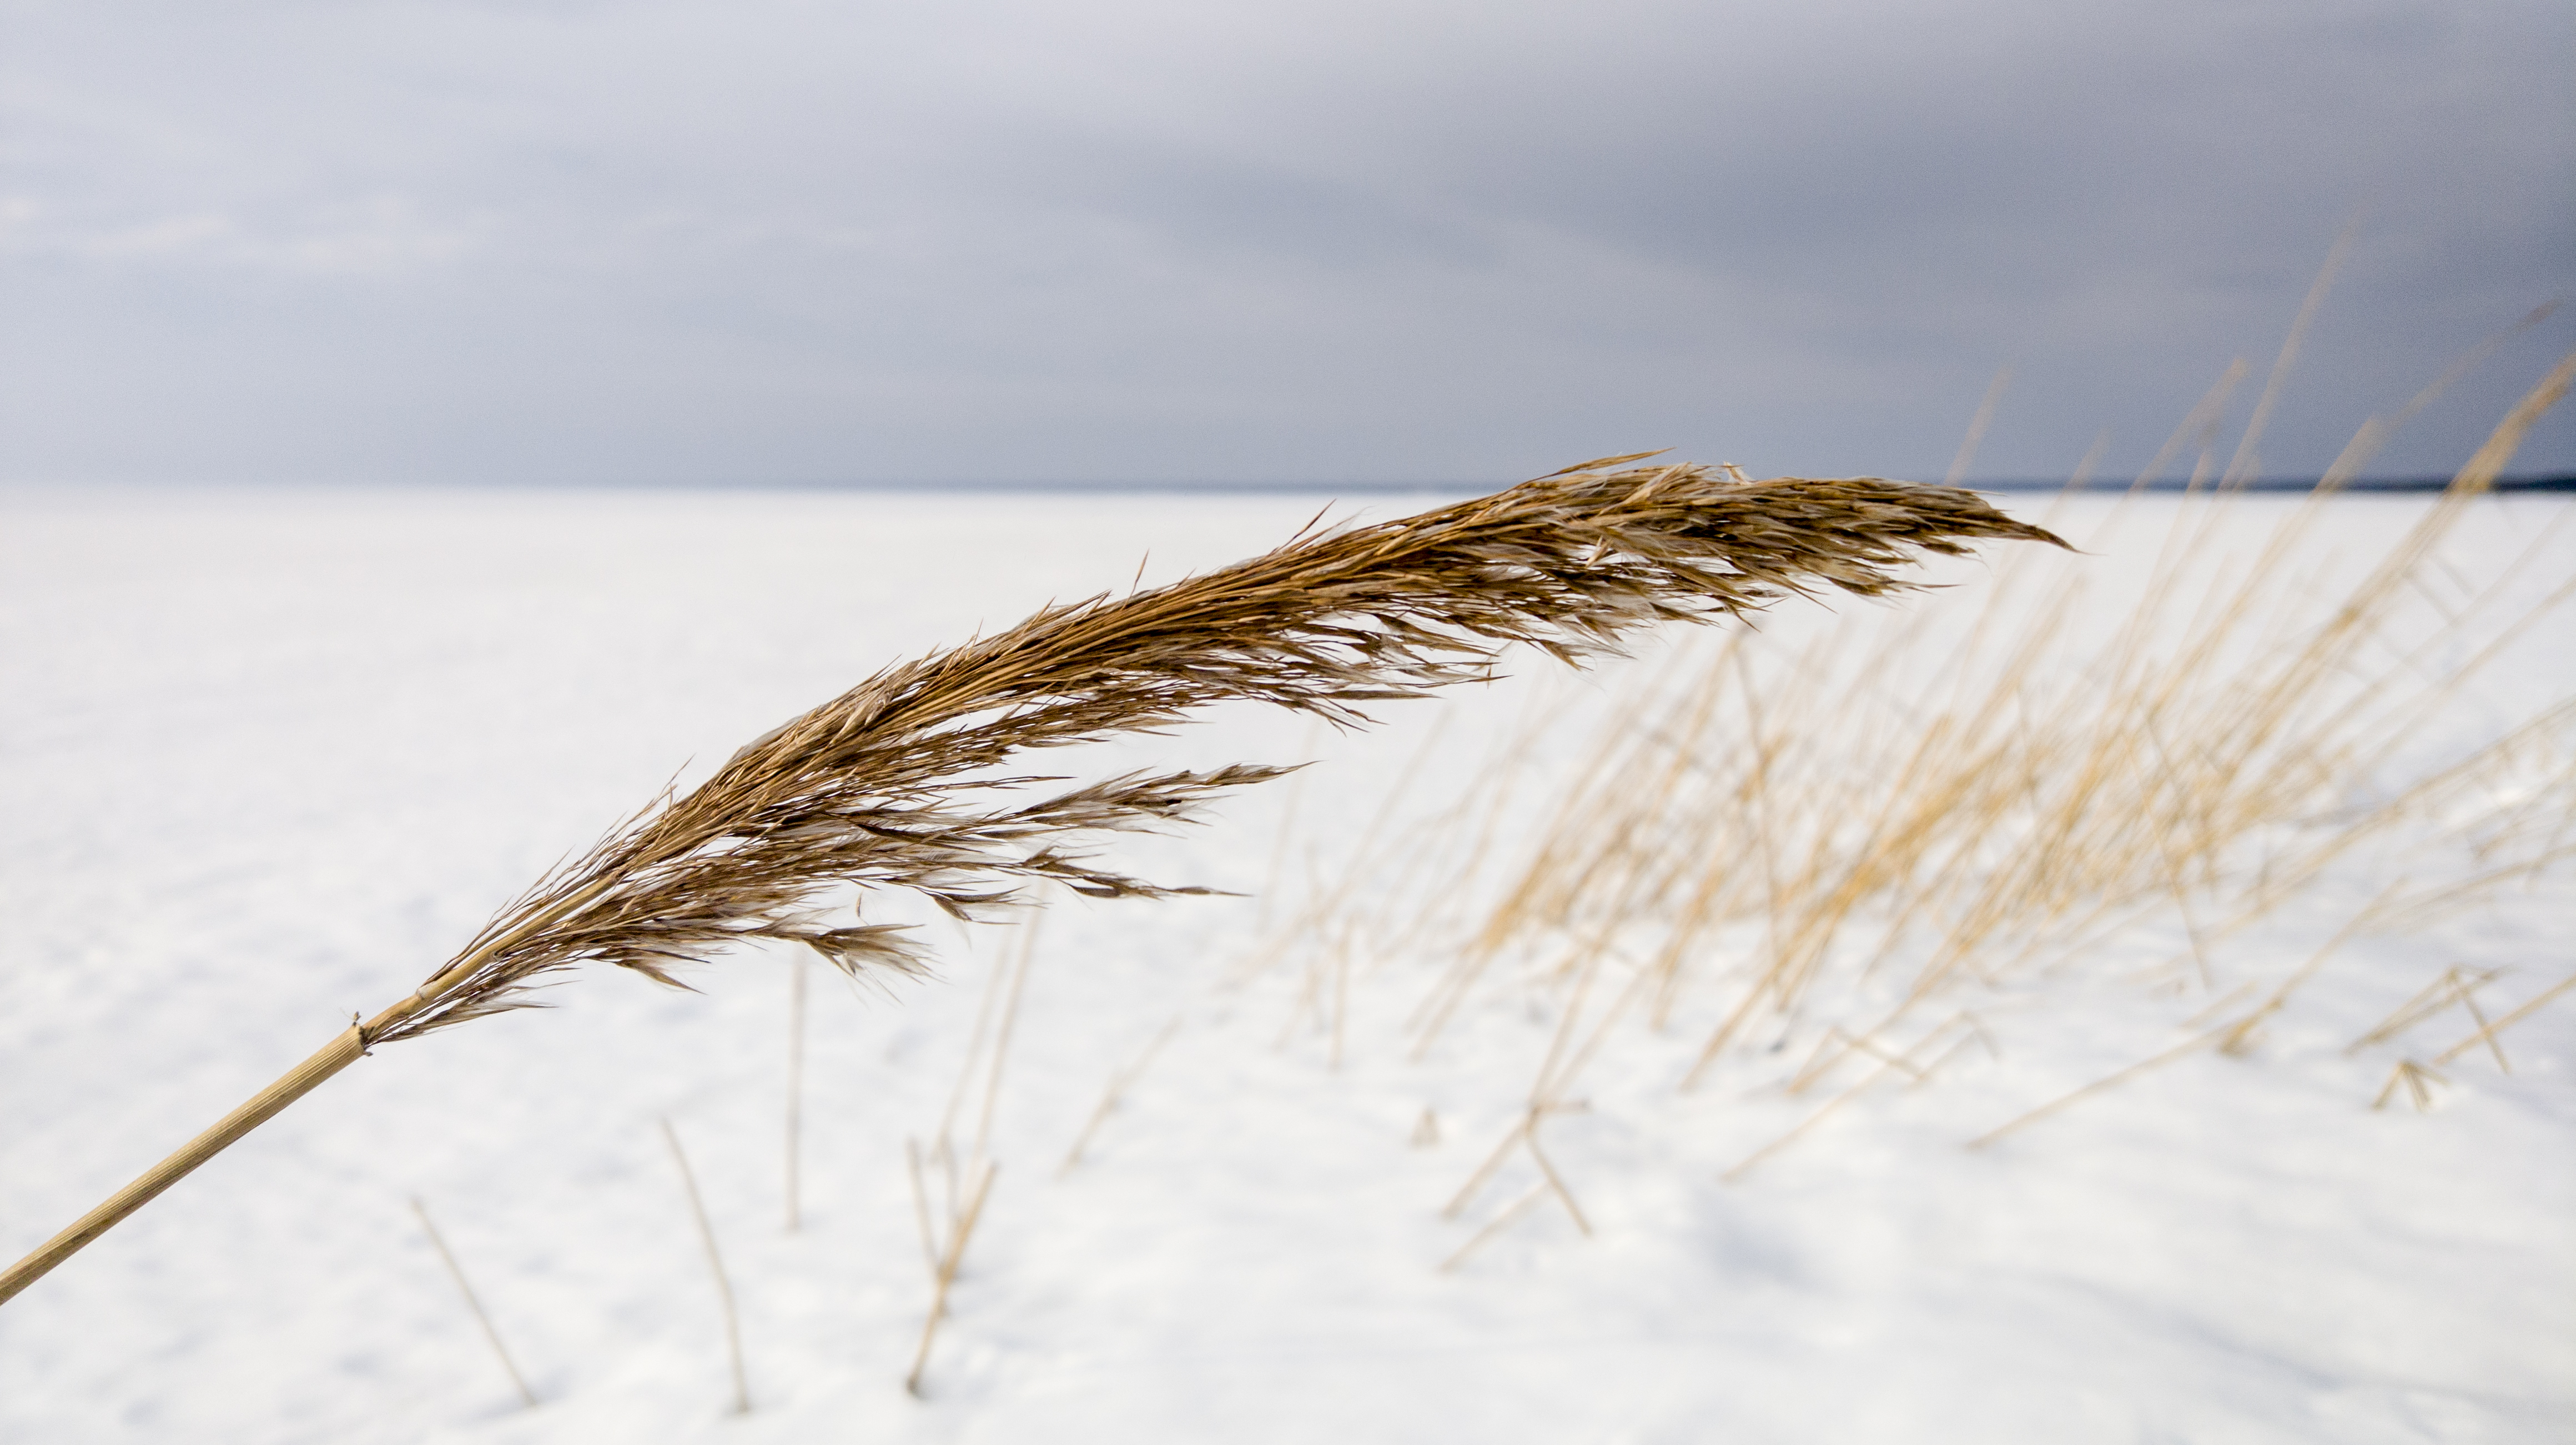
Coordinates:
1242	240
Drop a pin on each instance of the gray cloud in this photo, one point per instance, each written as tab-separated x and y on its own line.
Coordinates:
806	241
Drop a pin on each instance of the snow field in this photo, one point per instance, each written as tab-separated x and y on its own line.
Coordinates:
271	755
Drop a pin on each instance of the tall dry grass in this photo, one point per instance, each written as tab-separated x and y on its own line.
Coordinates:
1820	860
909	783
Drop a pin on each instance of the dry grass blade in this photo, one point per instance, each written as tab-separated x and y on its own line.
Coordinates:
944	1273
715	1267
2486	1033
905	782
2457	985
1495	1226
2187	1046
474	1303
2416	1080
1120	1081
796	1094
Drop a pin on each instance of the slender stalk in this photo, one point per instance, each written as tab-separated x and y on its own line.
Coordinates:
2486	1035
1977	426
1494	1226
2197	1041
1119	1082
265	1105
946	1274
796	1088
456	1272
339	1054
715	1266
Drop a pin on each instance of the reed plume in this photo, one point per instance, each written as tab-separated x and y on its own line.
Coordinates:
907	782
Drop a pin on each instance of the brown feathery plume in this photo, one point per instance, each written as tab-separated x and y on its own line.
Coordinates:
899	782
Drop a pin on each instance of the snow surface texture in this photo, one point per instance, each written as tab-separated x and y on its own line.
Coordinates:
266	758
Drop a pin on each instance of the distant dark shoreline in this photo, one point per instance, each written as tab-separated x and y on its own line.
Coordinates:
2368	486
2556	482
2560	482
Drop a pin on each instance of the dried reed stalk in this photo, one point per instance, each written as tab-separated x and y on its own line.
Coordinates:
2487	1032
715	1267
943	1271
1120	1081
2416	1080
474	1303
796	1093
903	783
969	1180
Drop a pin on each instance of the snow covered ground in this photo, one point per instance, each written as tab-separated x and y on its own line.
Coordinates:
267	758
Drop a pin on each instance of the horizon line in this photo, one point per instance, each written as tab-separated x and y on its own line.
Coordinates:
2531	482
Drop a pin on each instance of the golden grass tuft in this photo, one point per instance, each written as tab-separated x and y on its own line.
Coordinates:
1846	844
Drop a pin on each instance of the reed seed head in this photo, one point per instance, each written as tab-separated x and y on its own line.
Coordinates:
909	781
